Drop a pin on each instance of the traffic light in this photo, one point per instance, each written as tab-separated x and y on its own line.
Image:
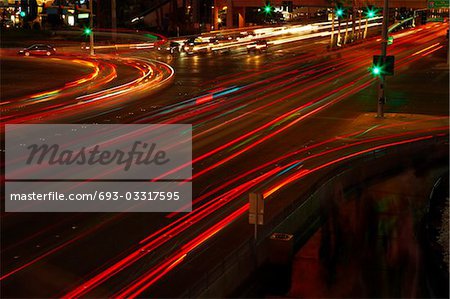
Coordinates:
87	31
376	70
28	10
382	66
371	12
24	8
268	9
339	12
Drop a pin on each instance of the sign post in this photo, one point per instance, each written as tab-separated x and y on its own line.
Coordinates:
91	25
384	43
256	211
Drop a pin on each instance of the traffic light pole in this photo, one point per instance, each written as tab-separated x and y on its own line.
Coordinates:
384	42
113	20
91	25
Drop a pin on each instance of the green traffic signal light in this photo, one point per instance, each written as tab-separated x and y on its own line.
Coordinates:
371	12
268	9
339	12
376	70
382	65
87	31
22	14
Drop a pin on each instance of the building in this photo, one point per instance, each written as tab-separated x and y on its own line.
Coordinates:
235	10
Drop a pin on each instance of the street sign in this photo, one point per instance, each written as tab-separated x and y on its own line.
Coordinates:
256	209
438	4
390	40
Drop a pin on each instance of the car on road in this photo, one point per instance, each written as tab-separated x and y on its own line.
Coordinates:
170	47
38	49
257	46
195	45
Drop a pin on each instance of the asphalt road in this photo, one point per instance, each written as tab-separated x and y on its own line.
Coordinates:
253	109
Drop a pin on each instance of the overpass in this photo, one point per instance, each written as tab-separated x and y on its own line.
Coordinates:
297	212
235	9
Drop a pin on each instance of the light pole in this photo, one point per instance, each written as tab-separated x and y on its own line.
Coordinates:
339	14
384	42
113	20
415	15
91	25
332	30
212	18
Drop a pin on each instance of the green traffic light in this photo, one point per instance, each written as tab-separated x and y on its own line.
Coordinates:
87	31
339	12
267	9
371	12
376	70
22	14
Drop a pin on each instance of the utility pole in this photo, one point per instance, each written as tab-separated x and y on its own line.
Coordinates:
332	31
113	20
339	32
384	42
91	25
353	20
